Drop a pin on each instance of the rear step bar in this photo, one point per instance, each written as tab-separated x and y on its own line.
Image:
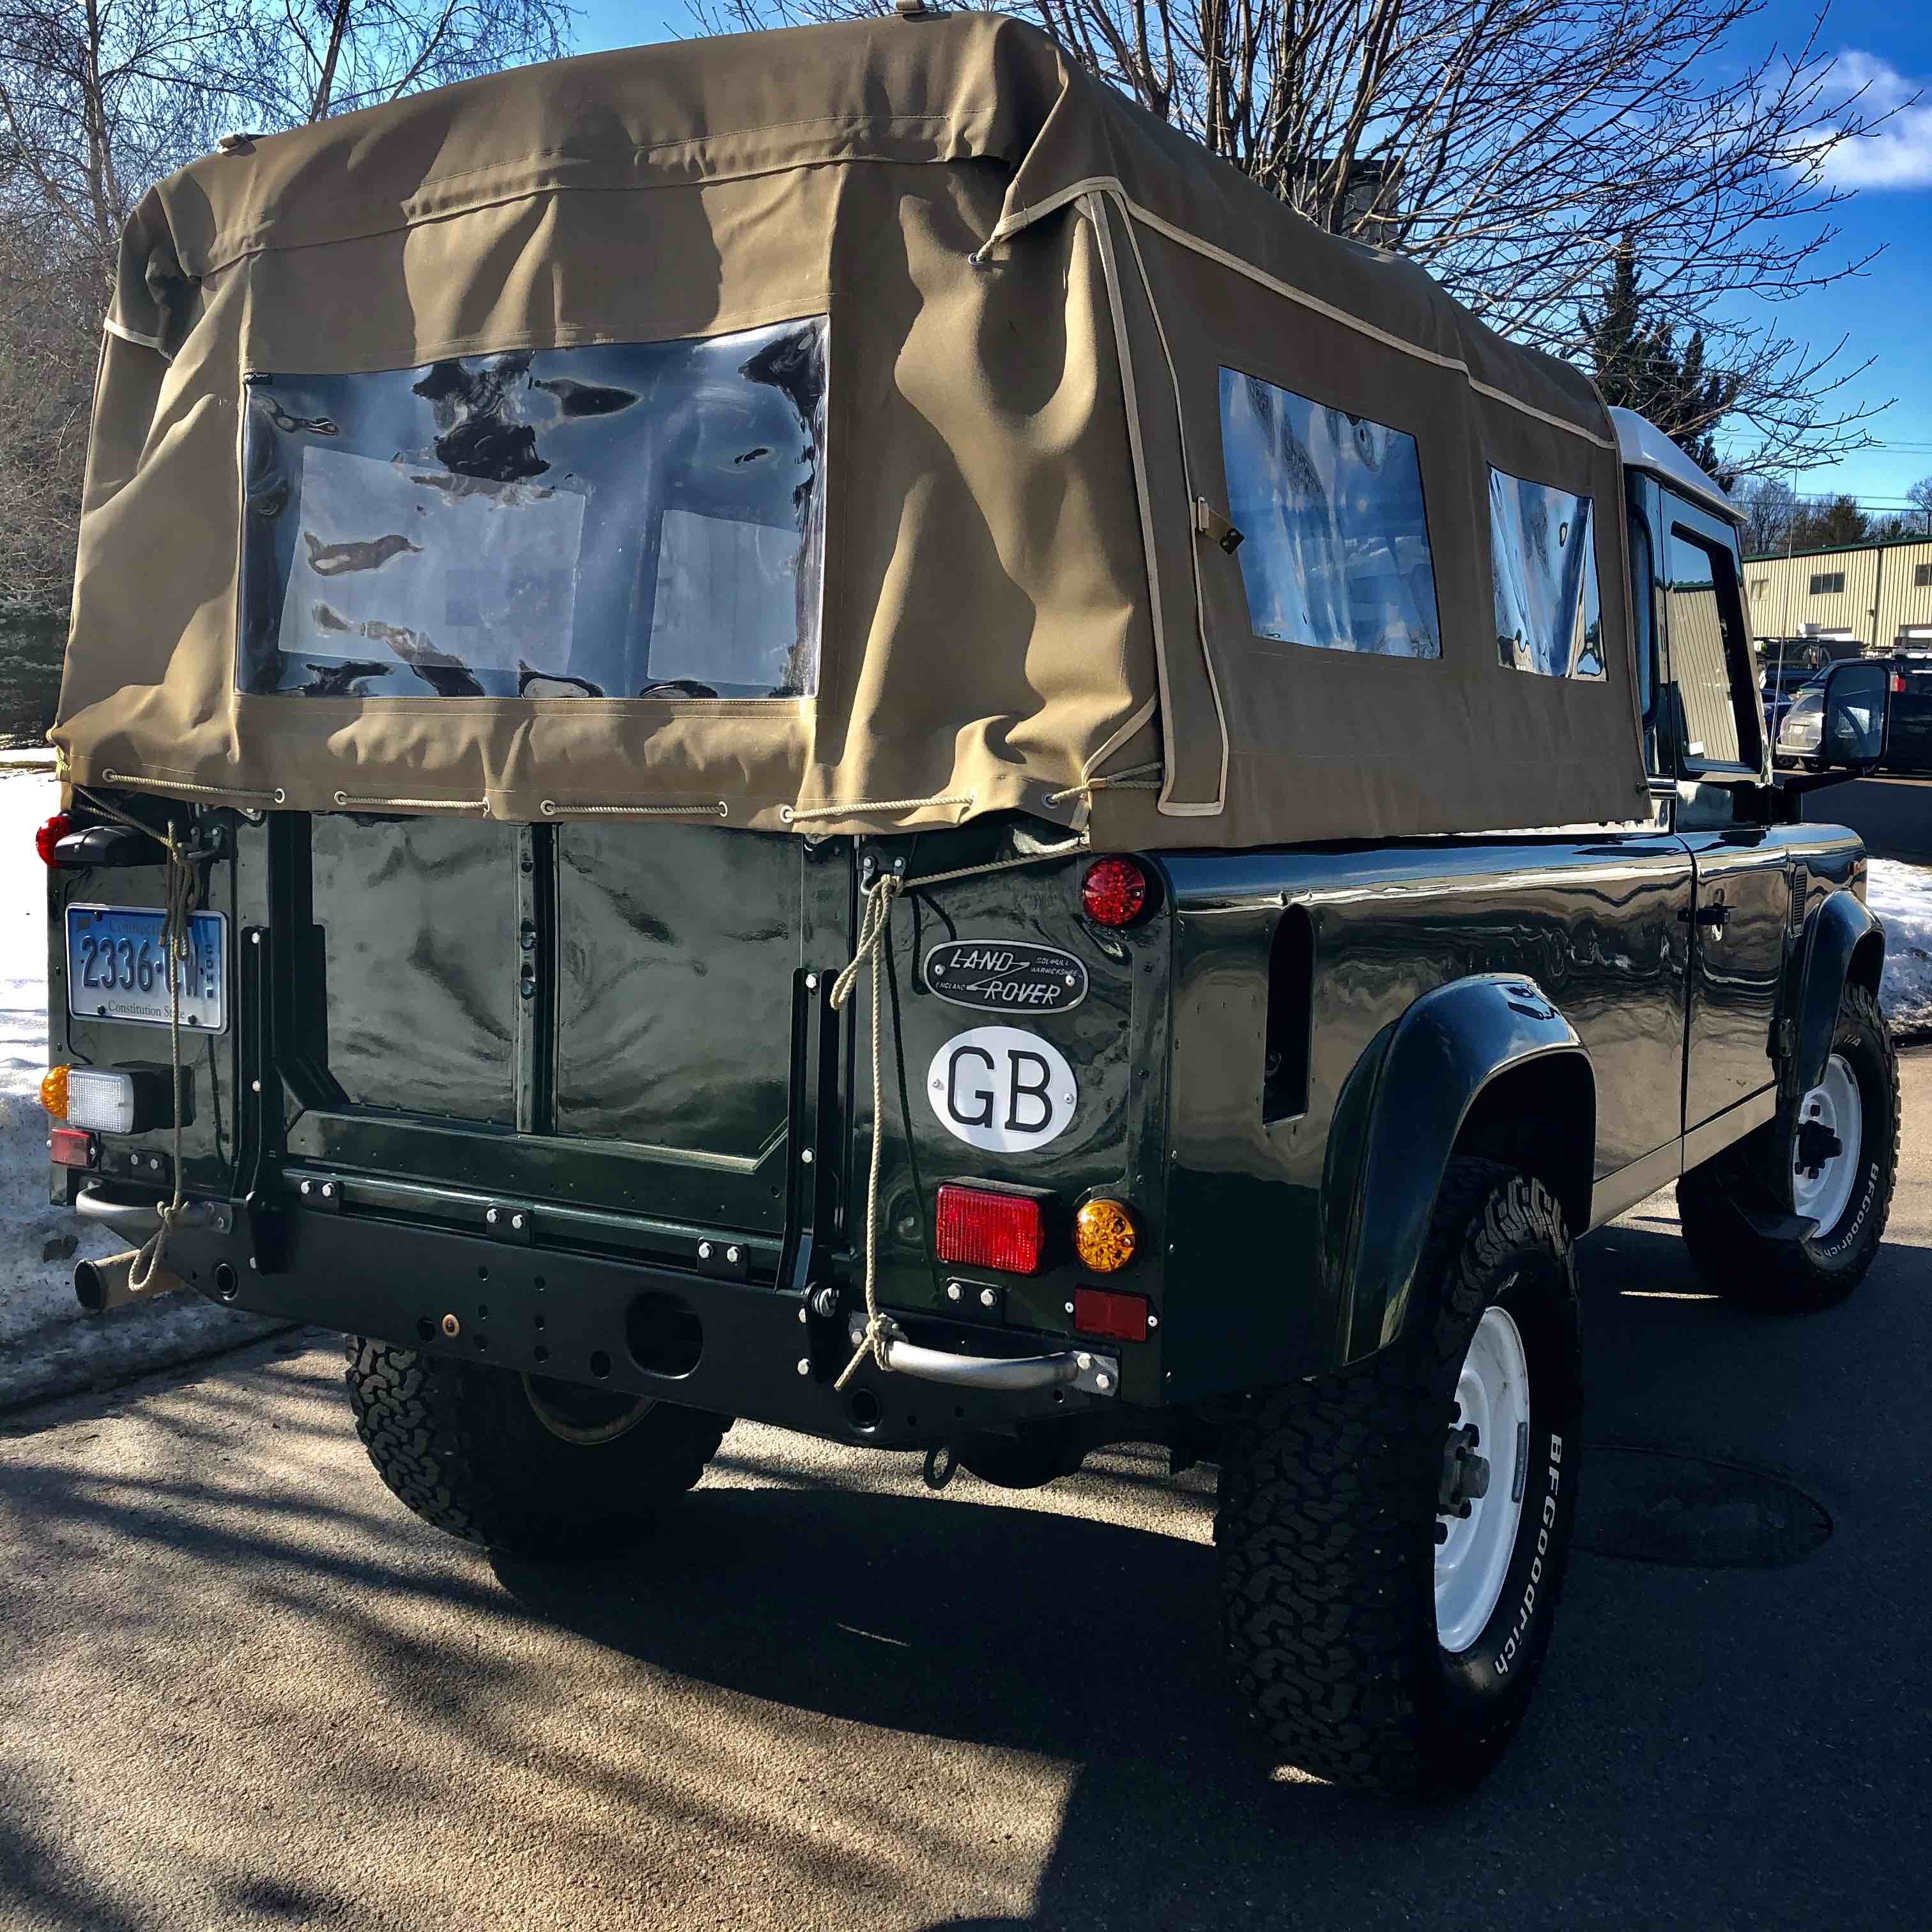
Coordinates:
1093	1374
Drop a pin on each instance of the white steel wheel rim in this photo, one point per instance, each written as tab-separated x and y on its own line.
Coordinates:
1473	1560
1834	1105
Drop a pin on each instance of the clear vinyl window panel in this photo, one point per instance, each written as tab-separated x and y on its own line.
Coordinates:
1707	642
1335	540
1543	557
636	520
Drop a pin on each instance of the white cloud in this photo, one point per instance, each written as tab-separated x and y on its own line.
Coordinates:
1899	153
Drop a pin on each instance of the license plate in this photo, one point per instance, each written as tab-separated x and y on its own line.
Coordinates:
117	967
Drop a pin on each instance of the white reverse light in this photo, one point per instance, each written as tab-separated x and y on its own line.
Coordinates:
101	1100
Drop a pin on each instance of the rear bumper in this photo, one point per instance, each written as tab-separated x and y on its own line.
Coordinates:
764	1354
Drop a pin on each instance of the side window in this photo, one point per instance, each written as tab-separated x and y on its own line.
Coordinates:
1542	556
1708	653
1336	554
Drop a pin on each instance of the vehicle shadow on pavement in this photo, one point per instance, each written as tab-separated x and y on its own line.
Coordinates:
1677	1707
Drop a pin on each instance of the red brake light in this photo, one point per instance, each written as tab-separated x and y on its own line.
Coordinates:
50	834
70	1147
1114	892
1100	1311
979	1228
1898	684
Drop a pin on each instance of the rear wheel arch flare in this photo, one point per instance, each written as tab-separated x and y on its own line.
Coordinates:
1540	1116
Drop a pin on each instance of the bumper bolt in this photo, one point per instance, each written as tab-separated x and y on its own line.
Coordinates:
804	1366
489	1215
953	1291
987	1299
451	1326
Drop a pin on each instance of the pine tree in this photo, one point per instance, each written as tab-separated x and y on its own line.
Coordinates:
1637	366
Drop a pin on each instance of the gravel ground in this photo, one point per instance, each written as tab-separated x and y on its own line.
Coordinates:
245	1688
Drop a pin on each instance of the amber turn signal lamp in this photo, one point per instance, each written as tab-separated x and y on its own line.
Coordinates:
979	1227
53	1091
1103	1236
1114	892
50	834
1101	1311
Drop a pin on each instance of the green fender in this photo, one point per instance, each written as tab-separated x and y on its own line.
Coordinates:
1840	940
1397	1120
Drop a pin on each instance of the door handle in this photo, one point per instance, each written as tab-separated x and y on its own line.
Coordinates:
1712	916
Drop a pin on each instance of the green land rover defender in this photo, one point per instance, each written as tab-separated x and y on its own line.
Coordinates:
816	728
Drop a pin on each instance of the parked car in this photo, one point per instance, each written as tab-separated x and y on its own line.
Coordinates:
1779	685
1909	746
815	728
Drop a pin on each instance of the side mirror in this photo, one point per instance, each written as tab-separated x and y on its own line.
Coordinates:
1858	715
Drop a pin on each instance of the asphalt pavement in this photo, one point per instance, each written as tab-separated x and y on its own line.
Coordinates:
1893	816
244	1688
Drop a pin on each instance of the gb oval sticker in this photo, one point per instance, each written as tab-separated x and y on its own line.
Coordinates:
1013	976
1001	1087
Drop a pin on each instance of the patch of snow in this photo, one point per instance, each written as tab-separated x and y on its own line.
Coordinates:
47	1346
1901	896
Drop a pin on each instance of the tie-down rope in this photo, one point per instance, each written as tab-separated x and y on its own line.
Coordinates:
177	949
875	940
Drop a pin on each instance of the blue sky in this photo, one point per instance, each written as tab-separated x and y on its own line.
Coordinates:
1886	312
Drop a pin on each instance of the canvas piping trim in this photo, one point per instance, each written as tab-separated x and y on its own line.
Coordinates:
109	776
1166	804
1129	726
134	336
792	815
1629	591
1012	224
1095	210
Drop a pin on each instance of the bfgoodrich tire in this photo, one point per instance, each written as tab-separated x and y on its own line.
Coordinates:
1784	1168
522	1464
1341	1503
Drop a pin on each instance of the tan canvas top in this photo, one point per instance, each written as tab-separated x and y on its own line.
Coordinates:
1002	357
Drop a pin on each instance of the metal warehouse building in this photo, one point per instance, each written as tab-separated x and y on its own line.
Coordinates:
1878	594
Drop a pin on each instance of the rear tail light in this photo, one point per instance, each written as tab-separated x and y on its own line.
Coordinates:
979	1227
53	1091
1898	684
1114	892
50	834
71	1147
1100	1311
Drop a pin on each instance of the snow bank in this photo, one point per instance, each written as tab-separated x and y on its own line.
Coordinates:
47	1346
1901	896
